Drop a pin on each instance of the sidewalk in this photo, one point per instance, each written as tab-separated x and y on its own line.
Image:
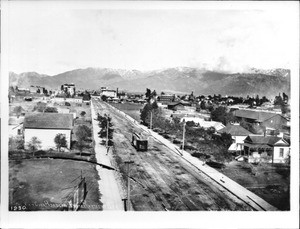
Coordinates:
244	194
108	186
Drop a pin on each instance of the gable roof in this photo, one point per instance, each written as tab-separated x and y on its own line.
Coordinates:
265	140
259	116
235	130
48	121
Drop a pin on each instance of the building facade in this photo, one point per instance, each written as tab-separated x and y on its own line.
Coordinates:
45	126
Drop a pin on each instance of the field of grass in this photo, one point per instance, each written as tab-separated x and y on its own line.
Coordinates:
47	184
131	109
269	182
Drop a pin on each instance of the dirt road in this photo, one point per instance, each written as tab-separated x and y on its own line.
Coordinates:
162	179
110	192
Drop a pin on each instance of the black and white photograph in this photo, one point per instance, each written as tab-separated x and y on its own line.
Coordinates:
136	107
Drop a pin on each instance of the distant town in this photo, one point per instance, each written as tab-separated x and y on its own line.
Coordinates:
111	149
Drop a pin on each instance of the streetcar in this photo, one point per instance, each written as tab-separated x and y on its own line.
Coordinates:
139	143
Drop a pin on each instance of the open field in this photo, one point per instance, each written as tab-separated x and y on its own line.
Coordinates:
269	182
46	184
162	180
131	109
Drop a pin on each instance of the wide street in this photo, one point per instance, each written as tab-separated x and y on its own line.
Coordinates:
162	180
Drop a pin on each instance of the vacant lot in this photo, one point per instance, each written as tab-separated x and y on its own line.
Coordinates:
269	182
47	184
131	109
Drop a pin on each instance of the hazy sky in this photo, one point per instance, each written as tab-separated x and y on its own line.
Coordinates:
53	40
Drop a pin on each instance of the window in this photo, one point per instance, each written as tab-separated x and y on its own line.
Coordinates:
281	152
19	132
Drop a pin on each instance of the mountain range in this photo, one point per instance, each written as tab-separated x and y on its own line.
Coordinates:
179	80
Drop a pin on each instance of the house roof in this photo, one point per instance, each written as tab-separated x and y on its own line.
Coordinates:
48	121
259	116
235	130
15	120
264	140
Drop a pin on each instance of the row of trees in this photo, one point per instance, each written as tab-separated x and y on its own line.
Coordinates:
106	129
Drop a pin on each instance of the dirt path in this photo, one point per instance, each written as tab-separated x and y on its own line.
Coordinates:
111	195
163	179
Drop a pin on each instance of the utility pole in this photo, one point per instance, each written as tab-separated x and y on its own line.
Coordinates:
151	120
128	183
183	135
107	126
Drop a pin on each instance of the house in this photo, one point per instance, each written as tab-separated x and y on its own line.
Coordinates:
271	149
181	105
238	134
205	124
108	92
15	126
166	99
269	120
45	126
68	89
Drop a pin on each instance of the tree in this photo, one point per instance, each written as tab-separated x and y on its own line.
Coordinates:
106	128
82	113
218	115
153	94
148	94
40	107
278	100
60	141
34	144
104	98
257	100
202	105
16	143
51	110
146	113
18	110
221	115
82	133
86	96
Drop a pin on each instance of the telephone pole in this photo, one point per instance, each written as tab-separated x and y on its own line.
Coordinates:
183	135
150	119
107	126
128	183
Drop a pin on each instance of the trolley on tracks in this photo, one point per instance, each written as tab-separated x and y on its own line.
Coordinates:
139	143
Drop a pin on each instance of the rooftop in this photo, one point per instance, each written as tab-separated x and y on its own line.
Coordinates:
255	115
235	130
48	121
264	140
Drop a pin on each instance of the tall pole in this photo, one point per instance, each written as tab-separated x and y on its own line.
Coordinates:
183	135
107	132
128	183
150	119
